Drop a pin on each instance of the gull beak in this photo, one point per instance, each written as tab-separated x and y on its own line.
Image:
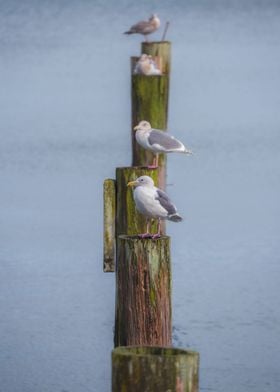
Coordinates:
131	183
136	127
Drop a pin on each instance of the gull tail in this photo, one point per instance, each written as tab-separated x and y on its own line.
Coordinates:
186	151
175	217
128	32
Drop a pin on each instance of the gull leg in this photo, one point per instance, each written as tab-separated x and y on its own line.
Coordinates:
155	163
147	234
154	236
157	160
159	226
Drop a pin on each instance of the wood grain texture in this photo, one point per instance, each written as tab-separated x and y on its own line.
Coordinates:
143	292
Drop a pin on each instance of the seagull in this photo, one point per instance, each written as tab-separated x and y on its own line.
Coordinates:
146	66
154	67
153	203
157	141
145	27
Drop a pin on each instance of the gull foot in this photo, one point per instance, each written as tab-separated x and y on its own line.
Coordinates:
155	236
152	166
145	235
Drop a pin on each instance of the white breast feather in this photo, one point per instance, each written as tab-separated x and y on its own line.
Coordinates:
142	139
146	203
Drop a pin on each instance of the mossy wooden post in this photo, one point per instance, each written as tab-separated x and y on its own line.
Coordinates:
143	292
129	220
149	98
154	369
109	217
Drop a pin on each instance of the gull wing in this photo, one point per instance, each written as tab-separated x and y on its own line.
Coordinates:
141	27
164	140
165	202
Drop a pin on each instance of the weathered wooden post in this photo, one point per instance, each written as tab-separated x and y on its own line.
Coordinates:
109	225
154	369
143	266
143	291
143	272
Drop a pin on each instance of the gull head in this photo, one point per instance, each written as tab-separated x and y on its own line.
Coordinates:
153	16
144	57
143	125
154	19
142	181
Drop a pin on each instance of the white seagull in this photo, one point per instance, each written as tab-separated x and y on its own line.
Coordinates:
157	141
146	66
145	27
153	203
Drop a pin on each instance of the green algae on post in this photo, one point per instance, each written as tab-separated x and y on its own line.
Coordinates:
154	369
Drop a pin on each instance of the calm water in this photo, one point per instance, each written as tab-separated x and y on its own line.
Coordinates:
65	117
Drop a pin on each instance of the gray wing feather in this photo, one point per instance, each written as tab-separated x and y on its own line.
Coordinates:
141	27
165	202
163	139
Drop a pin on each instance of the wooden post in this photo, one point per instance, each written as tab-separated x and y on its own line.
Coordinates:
149	95
143	266
129	220
143	292
109	217
154	369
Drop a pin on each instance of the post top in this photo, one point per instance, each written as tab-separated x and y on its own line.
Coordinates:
144	351
130	168
156	42
137	238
